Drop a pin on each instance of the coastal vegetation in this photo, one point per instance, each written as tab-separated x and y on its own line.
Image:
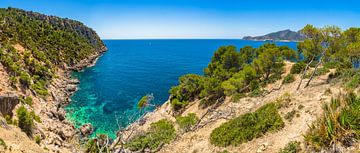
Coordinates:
26	120
186	122
159	133
339	124
248	126
48	42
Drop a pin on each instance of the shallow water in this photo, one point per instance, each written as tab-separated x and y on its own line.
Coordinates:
131	69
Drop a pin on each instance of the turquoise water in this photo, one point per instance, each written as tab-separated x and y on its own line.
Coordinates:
132	68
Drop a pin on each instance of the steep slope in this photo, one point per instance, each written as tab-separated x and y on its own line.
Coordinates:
284	35
37	54
306	102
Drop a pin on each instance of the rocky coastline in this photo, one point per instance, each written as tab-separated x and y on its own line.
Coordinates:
59	134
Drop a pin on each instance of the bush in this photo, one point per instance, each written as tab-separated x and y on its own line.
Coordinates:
25	79
340	124
186	122
37	139
297	68
189	87
160	132
291	147
8	119
25	120
2	143
288	79
28	101
94	145
248	126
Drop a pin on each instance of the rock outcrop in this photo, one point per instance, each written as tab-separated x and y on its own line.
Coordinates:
86	129
8	103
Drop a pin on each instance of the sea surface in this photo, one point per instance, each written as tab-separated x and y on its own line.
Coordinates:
131	69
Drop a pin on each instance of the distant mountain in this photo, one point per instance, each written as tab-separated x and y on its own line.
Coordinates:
285	35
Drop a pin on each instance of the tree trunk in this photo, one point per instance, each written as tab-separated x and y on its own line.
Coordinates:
317	65
302	77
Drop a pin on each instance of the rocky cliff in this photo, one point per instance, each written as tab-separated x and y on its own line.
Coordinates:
37	54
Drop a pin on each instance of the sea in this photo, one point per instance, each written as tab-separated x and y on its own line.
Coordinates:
109	91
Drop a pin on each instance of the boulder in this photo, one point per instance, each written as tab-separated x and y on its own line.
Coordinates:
71	88
86	129
65	134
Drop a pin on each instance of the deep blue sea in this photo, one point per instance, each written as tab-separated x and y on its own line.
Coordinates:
131	69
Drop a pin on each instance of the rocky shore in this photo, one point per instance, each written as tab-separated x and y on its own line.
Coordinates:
55	132
60	134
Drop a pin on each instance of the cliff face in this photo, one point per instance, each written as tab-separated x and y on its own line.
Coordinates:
8	103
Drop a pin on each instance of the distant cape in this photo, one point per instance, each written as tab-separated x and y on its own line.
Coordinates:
284	35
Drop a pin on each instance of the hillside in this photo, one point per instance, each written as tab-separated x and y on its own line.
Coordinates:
260	100
37	54
284	35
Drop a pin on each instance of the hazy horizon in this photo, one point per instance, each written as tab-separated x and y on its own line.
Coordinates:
228	19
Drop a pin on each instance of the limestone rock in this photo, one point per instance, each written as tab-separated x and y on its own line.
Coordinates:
86	129
8	103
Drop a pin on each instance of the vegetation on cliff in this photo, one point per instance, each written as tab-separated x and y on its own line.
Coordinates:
160	132
48	42
247	127
340	124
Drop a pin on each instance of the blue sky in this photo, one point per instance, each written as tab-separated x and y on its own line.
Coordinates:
142	19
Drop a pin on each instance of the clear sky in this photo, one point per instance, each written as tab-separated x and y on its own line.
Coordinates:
141	19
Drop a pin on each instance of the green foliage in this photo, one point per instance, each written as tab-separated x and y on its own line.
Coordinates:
160	132
27	100
25	118
288	79
224	63
189	87
290	115
340	123
94	145
354	82
8	119
145	101
291	147
49	42
241	81
186	122
232	73
248	126
297	68
37	139
2	143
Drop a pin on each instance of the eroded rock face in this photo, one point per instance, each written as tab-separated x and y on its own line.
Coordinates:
8	103
86	129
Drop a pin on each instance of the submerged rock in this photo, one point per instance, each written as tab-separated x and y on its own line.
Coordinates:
86	129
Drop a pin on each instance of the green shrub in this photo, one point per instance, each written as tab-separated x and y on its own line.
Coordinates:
354	82
290	115
2	143
189	88
288	79
25	118
37	139
28	101
297	68
25	79
160	132
94	145
186	122
248	126
8	119
340	124
291	147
